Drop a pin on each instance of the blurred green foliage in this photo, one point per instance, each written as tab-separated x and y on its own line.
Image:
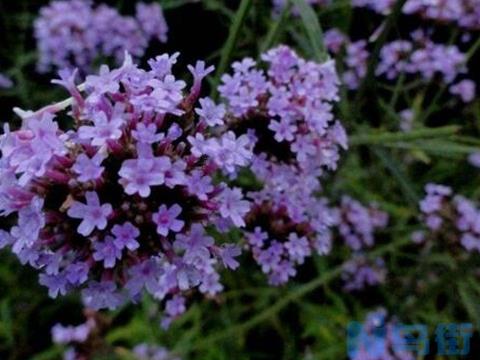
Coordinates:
250	320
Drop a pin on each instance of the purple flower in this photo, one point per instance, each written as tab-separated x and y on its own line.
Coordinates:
99	295
74	33
303	148
30	221
211	284
211	113
5	82
283	129
88	168
199	185
228	254
138	175
357	224
474	159
152	352
162	64
68	334
233	207
151	20
147	133
298	248
465	89
166	219
104	129
125	236
358	273
93	214
122	148
107	251
56	284
257	238
144	274
270	258
77	273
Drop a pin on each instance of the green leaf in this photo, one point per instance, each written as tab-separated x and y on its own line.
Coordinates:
312	29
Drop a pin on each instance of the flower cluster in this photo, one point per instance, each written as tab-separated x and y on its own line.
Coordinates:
420	56
378	338
152	352
123	198
74	33
357	224
465	13
360	272
356	56
454	217
379	6
87	340
72	334
287	112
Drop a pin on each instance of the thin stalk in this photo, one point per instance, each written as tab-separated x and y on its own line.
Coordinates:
375	138
292	297
231	43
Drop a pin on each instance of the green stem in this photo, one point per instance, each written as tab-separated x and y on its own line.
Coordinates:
291	297
381	138
313	30
232	39
275	29
375	55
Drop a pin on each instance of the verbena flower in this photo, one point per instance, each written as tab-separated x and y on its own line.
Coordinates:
74	33
360	272
465	89
87	341
465	13
287	112
416	56
357	224
5	82
146	351
121	200
452	220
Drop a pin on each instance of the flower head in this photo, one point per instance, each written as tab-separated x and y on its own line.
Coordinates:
120	203
74	33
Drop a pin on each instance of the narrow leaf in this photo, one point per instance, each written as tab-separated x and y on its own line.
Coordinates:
312	29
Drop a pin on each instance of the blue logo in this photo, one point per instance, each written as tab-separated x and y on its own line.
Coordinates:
384	340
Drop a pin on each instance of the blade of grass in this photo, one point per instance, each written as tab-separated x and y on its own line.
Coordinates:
173	4
442	147
275	29
313	30
290	297
232	39
384	138
405	184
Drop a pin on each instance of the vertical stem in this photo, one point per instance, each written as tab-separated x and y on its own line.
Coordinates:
232	39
